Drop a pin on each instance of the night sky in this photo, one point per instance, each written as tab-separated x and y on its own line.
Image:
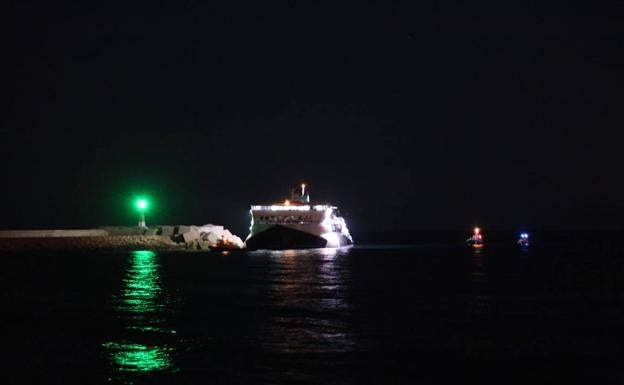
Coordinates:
408	115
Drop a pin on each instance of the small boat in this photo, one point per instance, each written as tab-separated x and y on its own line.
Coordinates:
223	245
476	240
523	241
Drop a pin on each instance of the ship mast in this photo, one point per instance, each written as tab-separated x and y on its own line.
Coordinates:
304	198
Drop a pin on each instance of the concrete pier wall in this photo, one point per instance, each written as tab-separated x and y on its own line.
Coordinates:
53	233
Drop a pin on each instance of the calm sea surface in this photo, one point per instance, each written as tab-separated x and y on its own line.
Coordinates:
424	314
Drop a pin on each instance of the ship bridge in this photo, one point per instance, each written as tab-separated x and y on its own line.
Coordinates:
287	206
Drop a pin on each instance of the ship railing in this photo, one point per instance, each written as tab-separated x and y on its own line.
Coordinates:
290	207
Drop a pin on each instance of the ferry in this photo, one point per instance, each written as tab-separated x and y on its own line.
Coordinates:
297	224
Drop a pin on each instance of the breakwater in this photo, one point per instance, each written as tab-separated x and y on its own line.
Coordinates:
164	237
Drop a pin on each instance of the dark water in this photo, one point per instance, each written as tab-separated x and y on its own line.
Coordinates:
368	315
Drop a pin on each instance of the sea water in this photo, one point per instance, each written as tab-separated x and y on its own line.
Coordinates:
407	313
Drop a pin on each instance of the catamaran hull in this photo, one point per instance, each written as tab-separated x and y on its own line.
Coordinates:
282	238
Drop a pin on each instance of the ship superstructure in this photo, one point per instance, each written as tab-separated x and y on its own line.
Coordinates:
297	224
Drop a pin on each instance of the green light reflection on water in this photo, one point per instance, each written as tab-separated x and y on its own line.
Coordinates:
142	287
140	358
140	303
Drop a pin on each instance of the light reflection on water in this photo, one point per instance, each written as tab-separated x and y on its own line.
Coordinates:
129	357
142	308
480	294
309	291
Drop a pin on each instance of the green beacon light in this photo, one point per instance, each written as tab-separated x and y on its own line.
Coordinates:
141	204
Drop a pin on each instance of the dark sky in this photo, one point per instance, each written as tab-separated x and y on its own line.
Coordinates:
409	115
